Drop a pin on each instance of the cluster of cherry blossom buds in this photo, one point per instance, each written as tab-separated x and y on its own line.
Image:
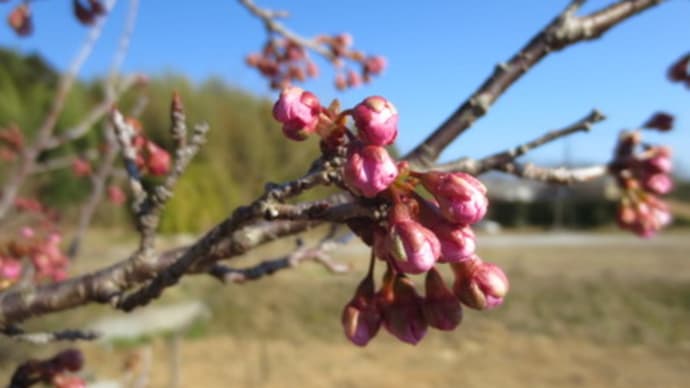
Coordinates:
85	11
150	157
11	143
415	236
643	177
57	371
39	249
285	61
680	71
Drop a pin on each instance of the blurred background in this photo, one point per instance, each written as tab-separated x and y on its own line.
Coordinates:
589	305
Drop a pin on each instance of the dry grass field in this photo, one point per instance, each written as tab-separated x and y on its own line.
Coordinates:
590	310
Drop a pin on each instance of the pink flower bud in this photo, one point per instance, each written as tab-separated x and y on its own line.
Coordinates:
10	269
442	309
659	162
81	167
374	65
27	232
361	317
68	381
158	162
340	81
479	285
413	248
401	307
657	183
20	20
461	197
377	121
369	170
457	240
116	196
298	111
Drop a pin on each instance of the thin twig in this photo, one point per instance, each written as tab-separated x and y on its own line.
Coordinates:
42	338
477	167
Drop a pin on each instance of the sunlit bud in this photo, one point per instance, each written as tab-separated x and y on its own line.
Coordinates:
457	240
10	269
361	317
27	232
353	79
413	248
401	307
660	161
20	20
369	170
377	121
298	111
158	162
479	285
442	309
374	65
461	197
657	183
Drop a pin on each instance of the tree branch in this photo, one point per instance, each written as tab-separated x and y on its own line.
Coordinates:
563	31
492	162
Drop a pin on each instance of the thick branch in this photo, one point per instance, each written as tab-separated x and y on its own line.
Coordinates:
562	32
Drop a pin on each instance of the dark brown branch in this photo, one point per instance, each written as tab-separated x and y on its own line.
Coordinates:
563	31
318	253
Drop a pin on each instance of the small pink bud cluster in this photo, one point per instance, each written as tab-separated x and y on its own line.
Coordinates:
416	235
680	71
642	177
115	195
42	250
11	143
151	158
81	167
369	169
407	315
58	371
298	111
284	61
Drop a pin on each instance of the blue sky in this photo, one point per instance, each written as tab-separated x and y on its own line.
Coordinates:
438	53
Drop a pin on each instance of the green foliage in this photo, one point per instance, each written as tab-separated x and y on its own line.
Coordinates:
245	147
